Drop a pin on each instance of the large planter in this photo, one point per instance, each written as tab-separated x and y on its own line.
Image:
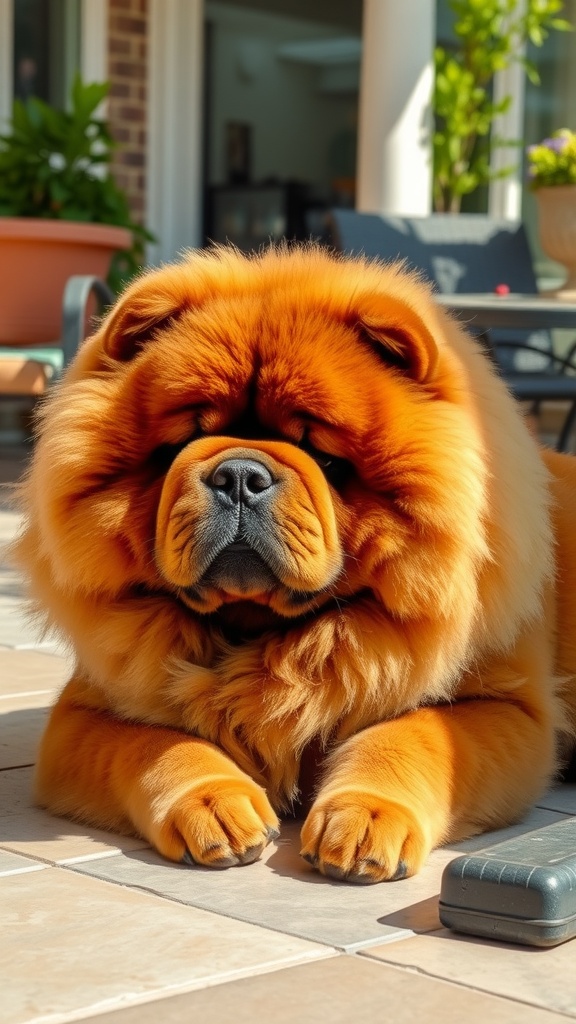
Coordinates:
36	259
557	226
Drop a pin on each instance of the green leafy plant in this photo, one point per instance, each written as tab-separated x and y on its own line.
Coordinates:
553	161
491	36
55	164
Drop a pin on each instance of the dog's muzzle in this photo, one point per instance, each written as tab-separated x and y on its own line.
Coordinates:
243	490
239	524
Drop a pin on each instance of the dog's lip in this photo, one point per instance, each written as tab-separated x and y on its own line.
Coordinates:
297	597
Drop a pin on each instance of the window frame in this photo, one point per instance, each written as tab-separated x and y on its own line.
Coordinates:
93	48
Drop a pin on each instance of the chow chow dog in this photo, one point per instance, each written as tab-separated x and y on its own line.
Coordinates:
287	515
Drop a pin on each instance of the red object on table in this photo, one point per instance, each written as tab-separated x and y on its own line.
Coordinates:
502	289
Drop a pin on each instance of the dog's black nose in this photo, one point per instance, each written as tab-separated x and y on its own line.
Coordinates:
242	480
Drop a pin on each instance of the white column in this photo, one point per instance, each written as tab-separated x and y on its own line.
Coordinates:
6	60
505	194
174	189
395	145
94	41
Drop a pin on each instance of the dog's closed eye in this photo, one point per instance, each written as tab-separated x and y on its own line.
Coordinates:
335	468
162	457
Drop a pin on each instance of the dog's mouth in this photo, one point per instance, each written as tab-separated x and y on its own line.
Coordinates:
236	573
239	569
240	574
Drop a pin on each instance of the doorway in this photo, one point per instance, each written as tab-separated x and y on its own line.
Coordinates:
281	89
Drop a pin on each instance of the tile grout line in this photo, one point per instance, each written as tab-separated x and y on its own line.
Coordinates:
26	693
22	871
118	1003
354	948
157	996
343	949
323	951
47	862
468	986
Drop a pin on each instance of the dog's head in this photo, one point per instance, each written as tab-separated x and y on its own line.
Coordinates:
277	431
263	439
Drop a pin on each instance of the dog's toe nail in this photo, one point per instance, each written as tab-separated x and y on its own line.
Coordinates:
360	878
401	871
251	853
310	858
225	862
333	871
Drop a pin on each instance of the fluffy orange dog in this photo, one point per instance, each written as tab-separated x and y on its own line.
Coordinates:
283	503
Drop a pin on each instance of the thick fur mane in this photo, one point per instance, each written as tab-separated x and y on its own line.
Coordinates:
447	552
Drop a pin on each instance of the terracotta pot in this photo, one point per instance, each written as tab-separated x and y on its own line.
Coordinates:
36	259
557	226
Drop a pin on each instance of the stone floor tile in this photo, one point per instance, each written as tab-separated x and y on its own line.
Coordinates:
12	864
540	977
8	514
17	632
281	891
25	671
28	830
75	946
561	798
10	585
9	520
15	628
44	688
537	818
22	721
343	990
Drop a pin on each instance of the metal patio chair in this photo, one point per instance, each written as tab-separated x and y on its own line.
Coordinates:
26	372
472	253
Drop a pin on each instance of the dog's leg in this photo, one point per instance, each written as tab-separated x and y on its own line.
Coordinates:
182	794
400	788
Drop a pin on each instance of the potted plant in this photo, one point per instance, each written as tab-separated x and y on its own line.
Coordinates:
61	212
491	35
552	177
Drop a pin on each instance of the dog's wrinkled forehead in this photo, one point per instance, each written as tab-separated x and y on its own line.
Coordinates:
241	366
281	304
194	336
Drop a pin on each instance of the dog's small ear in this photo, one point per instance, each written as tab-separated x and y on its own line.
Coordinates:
403	335
147	305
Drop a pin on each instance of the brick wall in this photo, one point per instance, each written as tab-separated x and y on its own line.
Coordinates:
127	73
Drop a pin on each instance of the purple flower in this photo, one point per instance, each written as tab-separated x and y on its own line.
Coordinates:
557	145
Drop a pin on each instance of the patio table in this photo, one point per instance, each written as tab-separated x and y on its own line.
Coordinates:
485	311
524	312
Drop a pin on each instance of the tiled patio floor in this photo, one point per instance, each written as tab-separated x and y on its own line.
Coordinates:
98	925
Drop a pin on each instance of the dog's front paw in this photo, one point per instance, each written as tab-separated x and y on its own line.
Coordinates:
218	823
363	838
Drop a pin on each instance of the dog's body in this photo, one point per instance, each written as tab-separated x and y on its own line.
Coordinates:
281	503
